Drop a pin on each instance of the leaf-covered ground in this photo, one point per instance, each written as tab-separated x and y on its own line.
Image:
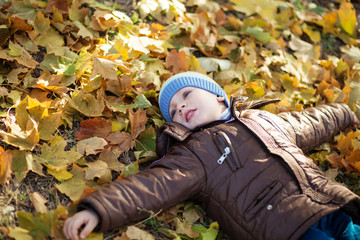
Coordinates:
79	82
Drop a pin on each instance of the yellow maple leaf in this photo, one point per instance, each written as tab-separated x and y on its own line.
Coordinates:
345	145
347	16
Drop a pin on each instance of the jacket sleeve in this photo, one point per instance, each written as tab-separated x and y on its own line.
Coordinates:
314	126
176	177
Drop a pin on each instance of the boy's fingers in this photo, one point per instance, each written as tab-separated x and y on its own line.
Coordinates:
72	228
89	227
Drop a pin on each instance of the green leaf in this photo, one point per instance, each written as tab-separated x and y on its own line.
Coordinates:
257	33
207	234
13	50
131	168
146	140
23	9
39	226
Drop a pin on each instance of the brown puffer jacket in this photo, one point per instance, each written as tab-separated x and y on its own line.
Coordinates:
249	174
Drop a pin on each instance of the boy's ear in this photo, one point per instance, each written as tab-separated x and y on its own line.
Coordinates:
220	99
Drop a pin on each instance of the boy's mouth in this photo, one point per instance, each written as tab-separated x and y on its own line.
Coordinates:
189	114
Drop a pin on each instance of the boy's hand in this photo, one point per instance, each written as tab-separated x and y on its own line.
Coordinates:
85	218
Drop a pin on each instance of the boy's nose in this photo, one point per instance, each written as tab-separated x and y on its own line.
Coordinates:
181	107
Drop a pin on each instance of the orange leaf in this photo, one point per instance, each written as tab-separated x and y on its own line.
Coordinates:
354	158
345	143
95	127
335	160
137	121
20	24
177	61
5	166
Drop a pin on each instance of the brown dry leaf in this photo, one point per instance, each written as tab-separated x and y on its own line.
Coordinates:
38	202
20	24
105	68
95	127
332	173
24	58
5	166
23	139
13	76
41	24
137	121
135	233
177	61
120	85
111	159
61	6
91	145
185	227
98	169
103	20
121	141
335	160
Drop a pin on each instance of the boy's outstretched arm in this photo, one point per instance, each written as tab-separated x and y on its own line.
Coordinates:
314	126
164	184
86	218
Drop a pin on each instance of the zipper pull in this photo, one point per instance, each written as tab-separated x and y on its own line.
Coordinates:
224	155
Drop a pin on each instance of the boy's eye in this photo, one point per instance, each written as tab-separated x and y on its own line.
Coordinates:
186	94
172	113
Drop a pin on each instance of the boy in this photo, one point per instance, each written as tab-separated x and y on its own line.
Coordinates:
245	167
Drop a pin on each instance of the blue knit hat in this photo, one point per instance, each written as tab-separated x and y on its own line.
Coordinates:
187	79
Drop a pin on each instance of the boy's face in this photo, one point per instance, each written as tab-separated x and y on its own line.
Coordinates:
193	107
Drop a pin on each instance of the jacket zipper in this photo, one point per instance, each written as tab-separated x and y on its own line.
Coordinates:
229	151
224	155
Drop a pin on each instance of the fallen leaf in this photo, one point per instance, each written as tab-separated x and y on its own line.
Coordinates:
5	166
55	157
210	233
335	160
98	169
23	139
105	68
19	233
332	173
38	202
95	127
91	145
23	162
177	61
136	233
74	187
87	104
345	145
137	121
347	16
185	227
122	141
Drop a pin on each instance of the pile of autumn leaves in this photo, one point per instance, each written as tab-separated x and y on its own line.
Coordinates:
91	63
